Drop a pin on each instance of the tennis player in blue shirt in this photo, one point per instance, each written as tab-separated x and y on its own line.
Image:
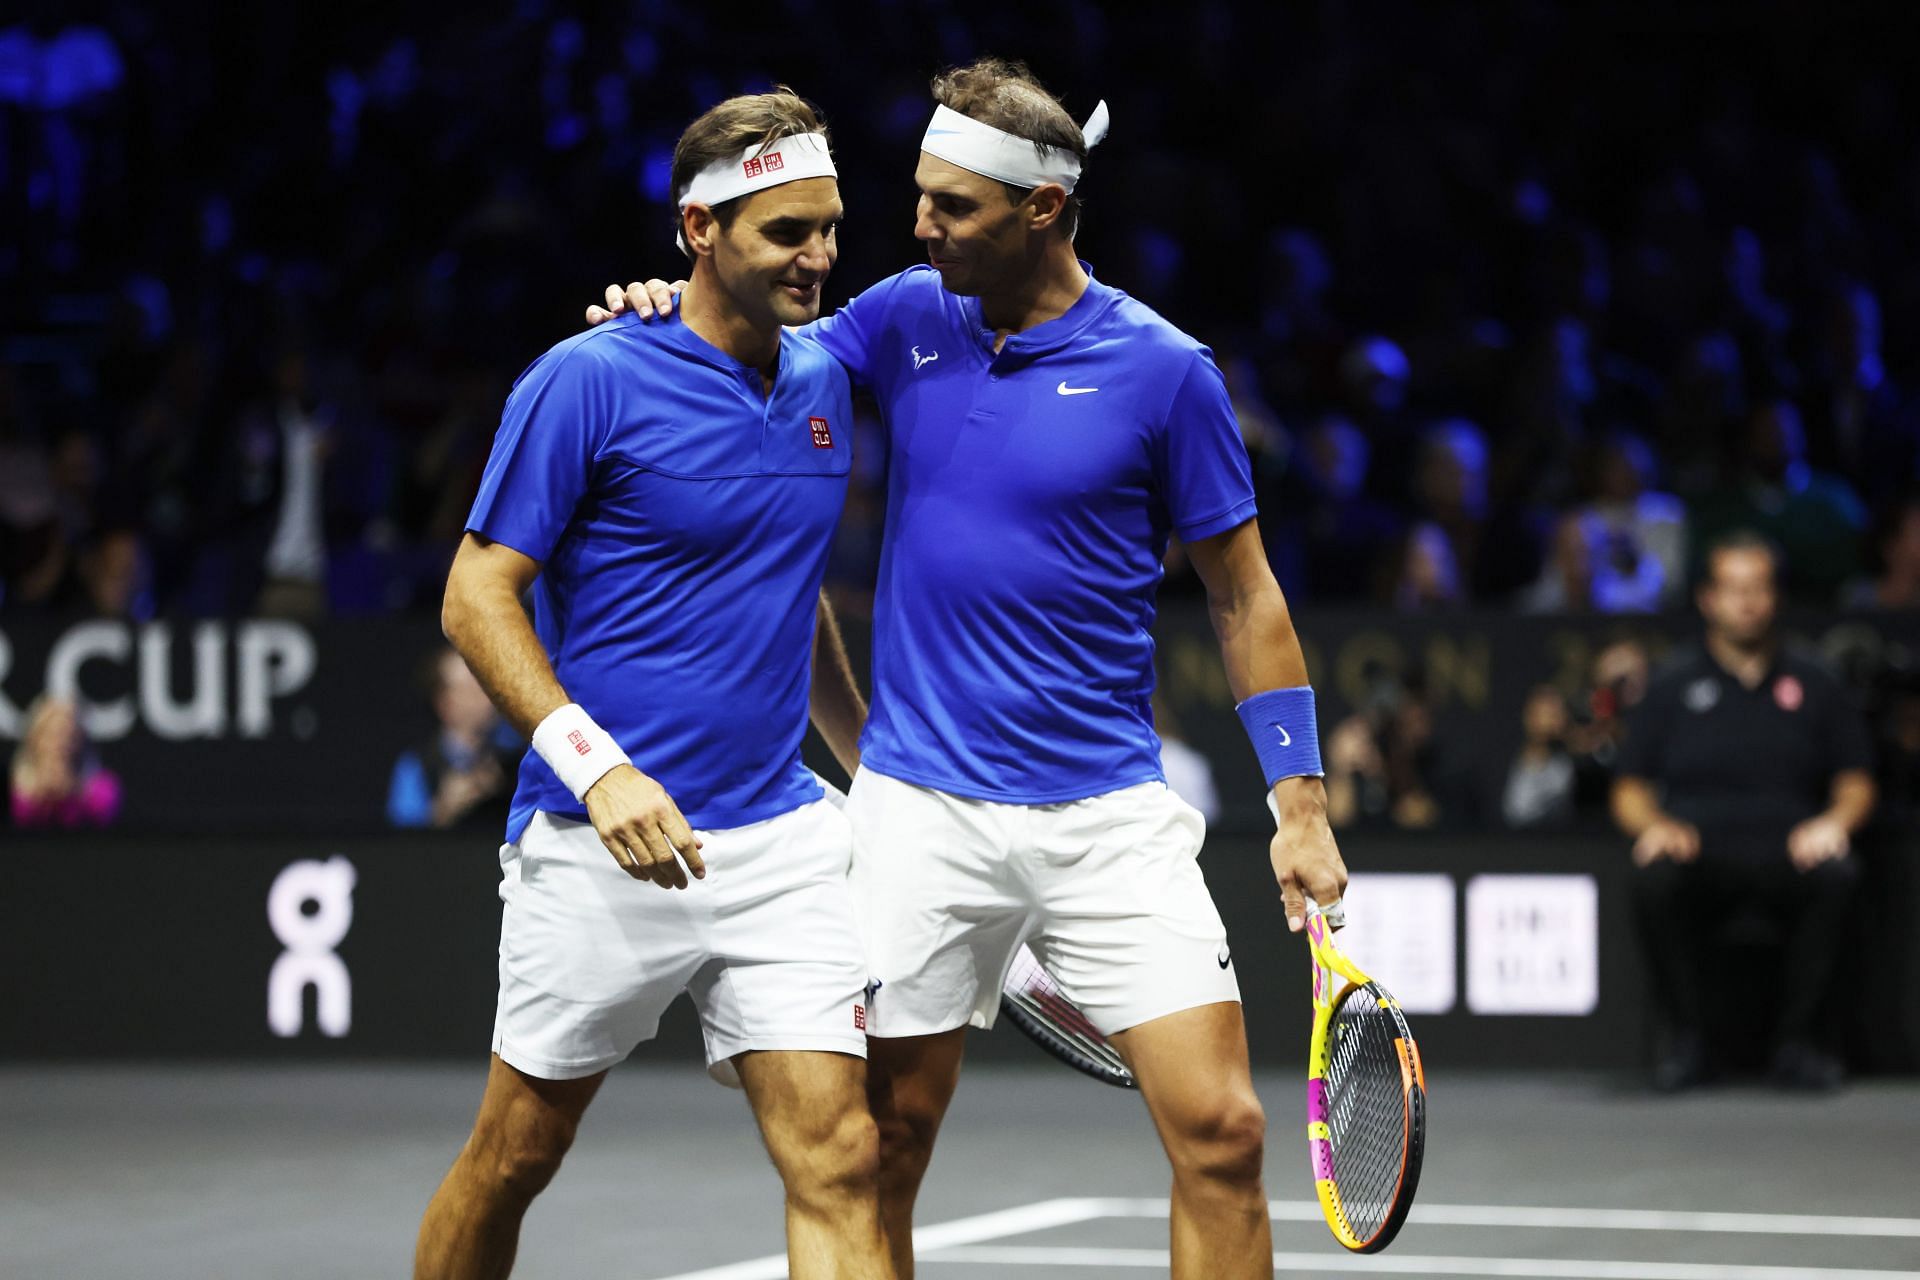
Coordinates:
668	492
1048	434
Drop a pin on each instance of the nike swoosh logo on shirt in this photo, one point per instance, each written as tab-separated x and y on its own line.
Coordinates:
1066	390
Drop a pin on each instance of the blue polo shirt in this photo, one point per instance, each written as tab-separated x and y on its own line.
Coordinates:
682	521
1030	494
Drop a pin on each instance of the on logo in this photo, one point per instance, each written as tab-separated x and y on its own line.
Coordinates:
310	938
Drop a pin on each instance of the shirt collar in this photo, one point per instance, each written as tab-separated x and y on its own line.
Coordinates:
1059	332
681	335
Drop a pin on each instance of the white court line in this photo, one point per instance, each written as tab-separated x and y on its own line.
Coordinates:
1414	1264
961	1231
946	1237
1565	1219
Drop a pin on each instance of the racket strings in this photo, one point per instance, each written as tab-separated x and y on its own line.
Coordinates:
1366	1111
1032	991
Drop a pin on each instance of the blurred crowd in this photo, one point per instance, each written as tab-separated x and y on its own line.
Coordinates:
1520	303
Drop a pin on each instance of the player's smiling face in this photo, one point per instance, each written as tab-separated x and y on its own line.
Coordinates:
976	238
774	258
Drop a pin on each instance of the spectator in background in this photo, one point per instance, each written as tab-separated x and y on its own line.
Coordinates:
1617	684
1189	775
1893	554
1539	791
1641	532
57	781
1425	575
287	440
1742	782
1862	424
462	777
1381	761
1812	517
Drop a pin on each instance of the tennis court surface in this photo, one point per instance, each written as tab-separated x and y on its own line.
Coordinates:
176	1171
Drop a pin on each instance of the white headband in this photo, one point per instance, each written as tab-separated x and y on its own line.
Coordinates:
1007	157
788	159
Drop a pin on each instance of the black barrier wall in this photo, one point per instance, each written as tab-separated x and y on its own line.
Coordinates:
1509	952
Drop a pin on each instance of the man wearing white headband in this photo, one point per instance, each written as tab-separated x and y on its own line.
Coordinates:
1047	434
668	493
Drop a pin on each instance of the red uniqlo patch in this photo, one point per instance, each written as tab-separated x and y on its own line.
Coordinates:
822	437
859	1017
1788	693
579	741
752	167
776	161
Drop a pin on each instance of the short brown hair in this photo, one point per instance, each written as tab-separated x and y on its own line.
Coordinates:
751	120
1009	97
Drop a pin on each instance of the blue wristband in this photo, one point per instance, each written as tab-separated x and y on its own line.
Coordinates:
1285	734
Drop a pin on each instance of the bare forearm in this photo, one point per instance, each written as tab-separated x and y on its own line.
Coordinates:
1258	644
838	710
483	620
1853	799
1635	807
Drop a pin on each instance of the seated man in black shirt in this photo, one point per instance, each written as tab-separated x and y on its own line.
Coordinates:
1743	779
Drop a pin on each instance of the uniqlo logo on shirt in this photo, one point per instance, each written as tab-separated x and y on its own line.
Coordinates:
822	437
776	162
859	1017
752	167
579	741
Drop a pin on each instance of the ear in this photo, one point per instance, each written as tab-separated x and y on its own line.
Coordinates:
1044	205
698	227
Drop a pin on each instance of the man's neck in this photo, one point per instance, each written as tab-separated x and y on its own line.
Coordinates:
1045	290
705	309
1747	665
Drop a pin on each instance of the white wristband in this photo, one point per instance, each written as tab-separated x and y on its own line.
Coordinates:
579	751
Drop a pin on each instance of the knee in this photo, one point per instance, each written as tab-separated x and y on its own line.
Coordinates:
521	1159
906	1144
840	1159
1225	1144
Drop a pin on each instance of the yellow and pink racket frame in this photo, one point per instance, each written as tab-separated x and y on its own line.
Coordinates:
1330	962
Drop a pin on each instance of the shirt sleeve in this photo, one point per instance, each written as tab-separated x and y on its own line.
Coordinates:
852	334
1205	476
543	456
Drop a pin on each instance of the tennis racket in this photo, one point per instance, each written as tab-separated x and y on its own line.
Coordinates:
1033	1002
1366	1098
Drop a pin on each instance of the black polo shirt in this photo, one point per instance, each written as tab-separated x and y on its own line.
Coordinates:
1727	756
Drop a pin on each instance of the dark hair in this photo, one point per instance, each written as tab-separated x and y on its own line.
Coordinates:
752	120
1742	540
1011	99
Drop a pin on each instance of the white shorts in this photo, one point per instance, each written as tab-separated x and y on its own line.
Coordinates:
765	944
1107	891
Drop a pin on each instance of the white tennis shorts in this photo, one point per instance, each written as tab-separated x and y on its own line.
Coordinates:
765	944
1107	891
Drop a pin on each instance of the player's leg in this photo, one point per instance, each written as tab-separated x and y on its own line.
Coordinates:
471	1230
1193	1074
589	958
943	909
1135	940
812	1111
783	1003
910	1081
